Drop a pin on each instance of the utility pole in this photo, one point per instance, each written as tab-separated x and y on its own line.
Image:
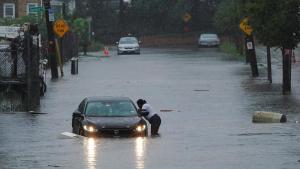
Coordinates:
286	70
249	44
252	56
51	40
121	17
269	64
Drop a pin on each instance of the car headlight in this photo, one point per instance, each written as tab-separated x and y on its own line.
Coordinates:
140	128
90	128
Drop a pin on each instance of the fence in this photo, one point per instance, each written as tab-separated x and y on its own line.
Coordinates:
20	82
19	75
12	65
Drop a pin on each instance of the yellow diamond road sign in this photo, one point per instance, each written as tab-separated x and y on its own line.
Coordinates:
60	27
186	17
245	27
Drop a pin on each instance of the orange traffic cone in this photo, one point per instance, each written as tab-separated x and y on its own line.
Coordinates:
105	51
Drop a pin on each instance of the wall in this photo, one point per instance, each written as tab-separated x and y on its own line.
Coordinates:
8	1
22	7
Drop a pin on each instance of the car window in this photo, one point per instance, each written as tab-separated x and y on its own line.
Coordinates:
110	109
209	36
128	40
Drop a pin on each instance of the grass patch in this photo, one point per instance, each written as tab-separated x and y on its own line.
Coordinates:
230	48
95	47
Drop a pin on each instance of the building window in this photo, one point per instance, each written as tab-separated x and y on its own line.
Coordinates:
31	5
9	10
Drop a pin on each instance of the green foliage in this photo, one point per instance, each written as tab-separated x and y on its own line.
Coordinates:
160	16
95	47
32	19
80	26
228	16
276	23
145	17
228	47
227	19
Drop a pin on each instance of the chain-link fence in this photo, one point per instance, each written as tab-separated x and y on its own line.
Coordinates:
12	65
19	74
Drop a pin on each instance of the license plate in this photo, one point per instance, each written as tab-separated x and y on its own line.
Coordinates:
116	132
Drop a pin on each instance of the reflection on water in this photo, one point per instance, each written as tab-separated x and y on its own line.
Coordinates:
140	147
90	147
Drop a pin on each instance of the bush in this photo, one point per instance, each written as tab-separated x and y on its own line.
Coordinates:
230	48
95	46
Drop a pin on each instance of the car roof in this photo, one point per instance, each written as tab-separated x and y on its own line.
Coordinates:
128	37
107	98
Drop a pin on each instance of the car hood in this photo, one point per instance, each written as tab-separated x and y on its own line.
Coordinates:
128	45
113	122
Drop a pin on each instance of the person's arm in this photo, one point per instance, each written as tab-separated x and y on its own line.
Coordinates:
143	112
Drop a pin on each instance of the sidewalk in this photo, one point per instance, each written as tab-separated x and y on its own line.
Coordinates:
276	59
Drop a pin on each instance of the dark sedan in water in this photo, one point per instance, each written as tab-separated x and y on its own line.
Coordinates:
108	116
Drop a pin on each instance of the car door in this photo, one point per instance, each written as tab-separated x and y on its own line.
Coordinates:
77	117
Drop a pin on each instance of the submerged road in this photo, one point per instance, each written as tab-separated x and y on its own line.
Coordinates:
206	101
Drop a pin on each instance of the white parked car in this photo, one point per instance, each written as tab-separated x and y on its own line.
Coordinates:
128	45
209	40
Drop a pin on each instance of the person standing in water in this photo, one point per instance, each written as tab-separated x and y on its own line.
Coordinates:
150	114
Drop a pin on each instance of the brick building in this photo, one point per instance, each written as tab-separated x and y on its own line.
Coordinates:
17	8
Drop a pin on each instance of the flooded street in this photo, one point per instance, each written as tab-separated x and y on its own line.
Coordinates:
205	99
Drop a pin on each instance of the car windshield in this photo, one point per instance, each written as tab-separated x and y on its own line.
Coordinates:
211	36
128	40
110	109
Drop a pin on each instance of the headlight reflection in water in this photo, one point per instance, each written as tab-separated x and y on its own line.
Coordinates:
140	147
90	154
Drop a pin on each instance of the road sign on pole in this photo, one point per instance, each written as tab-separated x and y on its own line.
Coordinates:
60	27
245	27
186	17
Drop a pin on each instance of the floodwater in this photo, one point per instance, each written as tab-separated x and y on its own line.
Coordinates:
205	99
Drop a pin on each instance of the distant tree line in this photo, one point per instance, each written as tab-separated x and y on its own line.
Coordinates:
274	23
145	17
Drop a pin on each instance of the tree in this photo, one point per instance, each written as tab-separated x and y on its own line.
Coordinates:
31	19
80	26
227	18
144	17
277	24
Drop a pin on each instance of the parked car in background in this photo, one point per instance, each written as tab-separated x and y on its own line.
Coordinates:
108	116
208	40
128	45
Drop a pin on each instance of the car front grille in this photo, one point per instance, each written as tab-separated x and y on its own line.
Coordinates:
116	132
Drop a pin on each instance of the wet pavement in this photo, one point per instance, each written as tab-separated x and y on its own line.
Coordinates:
206	100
